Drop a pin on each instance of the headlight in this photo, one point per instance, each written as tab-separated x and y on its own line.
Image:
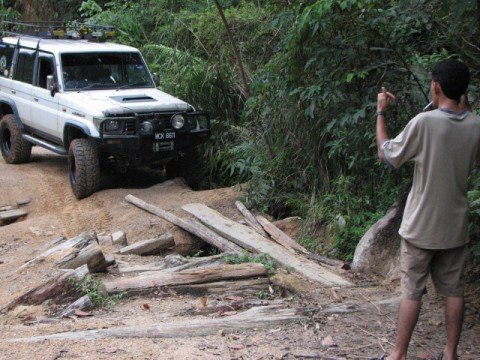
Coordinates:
178	121
146	128
111	125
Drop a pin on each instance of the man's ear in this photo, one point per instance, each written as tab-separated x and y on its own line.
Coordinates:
436	88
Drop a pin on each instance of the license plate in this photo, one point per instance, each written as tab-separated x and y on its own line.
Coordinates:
165	136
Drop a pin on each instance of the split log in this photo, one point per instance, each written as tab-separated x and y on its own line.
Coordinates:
12	215
327	261
79	242
149	247
258	317
279	236
84	303
224	288
249	239
7	208
52	289
191	226
150	281
167	265
91	255
250	219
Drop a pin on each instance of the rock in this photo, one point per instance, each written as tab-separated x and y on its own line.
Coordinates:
119	238
291	226
174	260
185	243
379	249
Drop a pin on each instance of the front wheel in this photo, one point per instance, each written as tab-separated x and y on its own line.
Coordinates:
14	149
83	168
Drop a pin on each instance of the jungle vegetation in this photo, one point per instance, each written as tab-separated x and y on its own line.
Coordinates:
292	92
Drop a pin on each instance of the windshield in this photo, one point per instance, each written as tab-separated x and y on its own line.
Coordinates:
104	71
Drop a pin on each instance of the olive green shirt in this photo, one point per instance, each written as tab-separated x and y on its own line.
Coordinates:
444	148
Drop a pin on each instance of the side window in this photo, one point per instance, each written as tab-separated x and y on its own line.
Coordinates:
45	68
25	65
6	57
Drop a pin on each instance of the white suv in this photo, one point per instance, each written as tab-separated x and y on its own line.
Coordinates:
93	101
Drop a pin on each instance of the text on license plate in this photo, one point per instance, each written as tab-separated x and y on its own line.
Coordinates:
167	135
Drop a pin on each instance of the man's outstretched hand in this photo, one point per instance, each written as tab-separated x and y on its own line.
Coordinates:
384	99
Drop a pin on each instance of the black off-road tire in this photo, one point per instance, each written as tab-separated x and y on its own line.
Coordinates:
193	168
14	149
83	167
172	169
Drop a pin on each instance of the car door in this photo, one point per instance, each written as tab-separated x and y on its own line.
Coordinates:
44	106
21	91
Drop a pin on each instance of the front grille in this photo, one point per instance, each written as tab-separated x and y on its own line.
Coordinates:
129	127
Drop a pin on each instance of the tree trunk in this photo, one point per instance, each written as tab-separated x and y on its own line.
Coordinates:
238	58
258	317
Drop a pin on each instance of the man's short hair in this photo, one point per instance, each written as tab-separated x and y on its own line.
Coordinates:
453	77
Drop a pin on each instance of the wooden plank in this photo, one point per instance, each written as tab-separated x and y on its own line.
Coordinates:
254	318
7	208
150	281
83	303
78	242
279	236
166	266
12	215
191	226
150	246
250	219
249	239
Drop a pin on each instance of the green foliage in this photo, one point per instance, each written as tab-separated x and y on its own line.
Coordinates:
246	257
304	141
93	288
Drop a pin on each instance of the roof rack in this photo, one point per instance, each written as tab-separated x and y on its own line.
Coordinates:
58	30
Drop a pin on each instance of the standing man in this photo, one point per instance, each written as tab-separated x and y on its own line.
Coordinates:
443	145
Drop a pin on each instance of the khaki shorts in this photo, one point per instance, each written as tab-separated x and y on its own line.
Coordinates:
445	266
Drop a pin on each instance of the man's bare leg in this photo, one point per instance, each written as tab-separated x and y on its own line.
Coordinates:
454	310
407	319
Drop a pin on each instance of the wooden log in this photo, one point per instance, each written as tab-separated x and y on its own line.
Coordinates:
84	303
91	255
250	219
327	261
279	236
254	318
149	247
150	281
52	289
79	242
249	239
250	287
167	265
12	215
7	208
191	226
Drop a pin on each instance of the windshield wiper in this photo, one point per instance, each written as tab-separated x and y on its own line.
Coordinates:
90	86
132	85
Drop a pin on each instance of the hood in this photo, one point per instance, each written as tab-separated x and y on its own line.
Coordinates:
123	101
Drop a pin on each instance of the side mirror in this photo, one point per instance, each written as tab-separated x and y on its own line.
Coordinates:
156	79
51	85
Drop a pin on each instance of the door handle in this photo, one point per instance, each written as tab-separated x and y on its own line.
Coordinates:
13	92
35	99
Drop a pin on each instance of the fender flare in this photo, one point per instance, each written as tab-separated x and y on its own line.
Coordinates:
13	106
77	125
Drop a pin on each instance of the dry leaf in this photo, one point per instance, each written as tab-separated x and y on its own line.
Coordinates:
228	313
237	346
203	301
146	307
81	313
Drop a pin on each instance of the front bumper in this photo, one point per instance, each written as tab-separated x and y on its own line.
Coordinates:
143	150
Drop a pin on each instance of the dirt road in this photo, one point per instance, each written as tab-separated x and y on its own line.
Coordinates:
54	211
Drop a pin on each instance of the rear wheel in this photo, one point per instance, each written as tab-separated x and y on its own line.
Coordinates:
83	168
14	149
